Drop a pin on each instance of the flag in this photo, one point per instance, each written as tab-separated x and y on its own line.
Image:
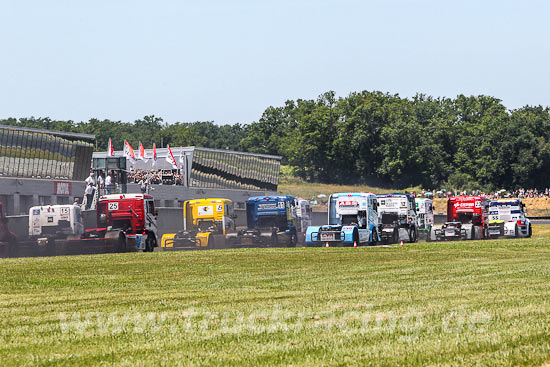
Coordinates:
182	157
170	157
110	150
154	154
141	155
129	152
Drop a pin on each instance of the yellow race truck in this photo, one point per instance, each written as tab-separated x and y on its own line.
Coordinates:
205	224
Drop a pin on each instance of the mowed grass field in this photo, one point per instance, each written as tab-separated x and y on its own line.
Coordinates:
451	304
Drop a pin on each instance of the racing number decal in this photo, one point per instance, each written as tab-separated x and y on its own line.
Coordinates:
64	211
113	205
219	207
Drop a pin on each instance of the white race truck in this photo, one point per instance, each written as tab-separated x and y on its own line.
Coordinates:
352	219
425	217
508	218
398	217
50	222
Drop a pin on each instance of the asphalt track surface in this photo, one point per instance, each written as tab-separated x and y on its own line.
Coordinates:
541	221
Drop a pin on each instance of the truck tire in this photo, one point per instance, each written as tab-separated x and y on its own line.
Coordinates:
374	237
355	236
516	231
149	244
121	243
395	237
50	247
293	239
412	234
529	231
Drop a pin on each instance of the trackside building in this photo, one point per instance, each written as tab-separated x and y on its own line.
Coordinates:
39	167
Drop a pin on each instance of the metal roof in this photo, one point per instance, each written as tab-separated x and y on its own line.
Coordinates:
162	152
51	132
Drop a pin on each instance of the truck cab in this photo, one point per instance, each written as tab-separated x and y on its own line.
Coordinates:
398	217
467	219
508	218
352	219
50	222
205	223
271	221
130	219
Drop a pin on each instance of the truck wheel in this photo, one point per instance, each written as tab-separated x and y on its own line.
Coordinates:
529	231
121	243
374	237
274	240
412	234
293	239
149	244
395	237
50	247
516	231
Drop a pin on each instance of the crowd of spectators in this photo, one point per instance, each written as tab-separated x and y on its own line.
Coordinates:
500	194
155	177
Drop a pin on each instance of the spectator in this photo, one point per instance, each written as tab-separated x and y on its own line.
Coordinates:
109	183
89	195
90	179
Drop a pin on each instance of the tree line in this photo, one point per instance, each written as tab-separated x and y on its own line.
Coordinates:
366	137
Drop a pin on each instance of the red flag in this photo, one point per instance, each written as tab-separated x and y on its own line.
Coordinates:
142	152
170	158
154	153
129	152
110	150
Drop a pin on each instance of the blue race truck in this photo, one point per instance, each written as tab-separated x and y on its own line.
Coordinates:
271	222
352	219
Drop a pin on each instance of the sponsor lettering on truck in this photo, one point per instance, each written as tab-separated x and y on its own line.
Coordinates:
508	218
467	219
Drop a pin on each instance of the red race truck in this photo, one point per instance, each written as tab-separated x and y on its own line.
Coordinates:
467	219
127	222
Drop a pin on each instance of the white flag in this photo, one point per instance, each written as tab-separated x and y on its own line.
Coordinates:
170	158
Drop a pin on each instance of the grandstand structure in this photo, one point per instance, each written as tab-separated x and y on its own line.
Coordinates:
208	168
40	167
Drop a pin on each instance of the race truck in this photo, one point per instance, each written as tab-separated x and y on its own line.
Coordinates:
51	223
303	218
467	219
397	214
205	224
8	240
126	222
508	218
425	217
352	219
271	222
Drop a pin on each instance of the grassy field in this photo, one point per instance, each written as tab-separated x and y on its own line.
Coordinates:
467	303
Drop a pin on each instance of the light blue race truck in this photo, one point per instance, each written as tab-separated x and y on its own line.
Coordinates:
352	219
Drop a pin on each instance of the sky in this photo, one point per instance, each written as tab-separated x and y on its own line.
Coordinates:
227	61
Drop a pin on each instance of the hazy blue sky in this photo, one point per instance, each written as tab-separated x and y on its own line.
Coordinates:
227	61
